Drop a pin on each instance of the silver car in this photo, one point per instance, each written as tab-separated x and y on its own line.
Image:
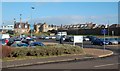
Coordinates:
112	41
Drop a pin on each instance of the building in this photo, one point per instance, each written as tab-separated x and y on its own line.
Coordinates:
37	27
114	25
44	27
80	26
5	28
23	27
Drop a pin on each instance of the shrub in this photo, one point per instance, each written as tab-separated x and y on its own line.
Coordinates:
17	52
51	50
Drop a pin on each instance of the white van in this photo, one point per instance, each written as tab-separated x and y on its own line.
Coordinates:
4	36
59	34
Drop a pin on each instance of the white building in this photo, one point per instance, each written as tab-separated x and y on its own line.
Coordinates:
7	27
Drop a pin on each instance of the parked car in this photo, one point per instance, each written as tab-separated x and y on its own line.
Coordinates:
85	38
36	44
69	39
46	37
25	41
17	41
22	45
61	34
34	37
3	42
19	45
118	40
100	41
52	37
91	38
112	41
41	37
30	40
10	42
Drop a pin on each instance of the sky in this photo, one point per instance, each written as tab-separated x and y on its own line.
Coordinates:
61	12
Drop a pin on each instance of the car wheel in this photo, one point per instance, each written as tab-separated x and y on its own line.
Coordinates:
92	43
101	44
110	43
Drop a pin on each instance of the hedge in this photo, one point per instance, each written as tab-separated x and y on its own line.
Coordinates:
50	50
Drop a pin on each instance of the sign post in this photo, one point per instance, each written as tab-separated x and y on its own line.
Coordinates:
112	33
78	39
104	31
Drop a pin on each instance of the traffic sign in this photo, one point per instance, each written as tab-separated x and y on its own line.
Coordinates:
103	31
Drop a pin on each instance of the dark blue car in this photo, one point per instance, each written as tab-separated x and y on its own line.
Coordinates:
91	38
22	45
37	44
100	41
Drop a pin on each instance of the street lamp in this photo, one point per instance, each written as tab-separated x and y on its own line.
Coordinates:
31	20
20	25
108	27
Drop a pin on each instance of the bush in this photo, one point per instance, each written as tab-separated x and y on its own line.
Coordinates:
17	52
51	50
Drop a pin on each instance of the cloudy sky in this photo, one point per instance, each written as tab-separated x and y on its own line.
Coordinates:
61	12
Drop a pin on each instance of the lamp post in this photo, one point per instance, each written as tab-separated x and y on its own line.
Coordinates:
20	25
31	20
14	21
108	27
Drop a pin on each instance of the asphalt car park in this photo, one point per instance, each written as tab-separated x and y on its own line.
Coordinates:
39	41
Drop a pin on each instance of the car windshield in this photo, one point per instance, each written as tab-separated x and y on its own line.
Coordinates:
118	38
102	39
110	38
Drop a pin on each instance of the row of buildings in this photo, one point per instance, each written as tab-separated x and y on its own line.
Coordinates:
89	25
25	27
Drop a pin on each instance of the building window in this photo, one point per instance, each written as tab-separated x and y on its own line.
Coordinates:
25	26
19	26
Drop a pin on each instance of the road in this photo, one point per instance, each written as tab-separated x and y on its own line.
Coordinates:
100	63
104	63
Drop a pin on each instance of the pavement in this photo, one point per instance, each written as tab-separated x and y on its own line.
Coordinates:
96	53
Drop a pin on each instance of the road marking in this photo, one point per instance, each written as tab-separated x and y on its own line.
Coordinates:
106	65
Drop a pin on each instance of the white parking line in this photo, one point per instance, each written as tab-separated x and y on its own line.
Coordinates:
107	65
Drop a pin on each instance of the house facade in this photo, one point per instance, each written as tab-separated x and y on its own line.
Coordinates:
80	26
22	27
44	27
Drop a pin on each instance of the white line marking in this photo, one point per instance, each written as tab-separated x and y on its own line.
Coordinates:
107	65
